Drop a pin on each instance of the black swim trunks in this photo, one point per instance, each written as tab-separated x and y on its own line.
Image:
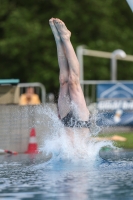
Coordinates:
70	121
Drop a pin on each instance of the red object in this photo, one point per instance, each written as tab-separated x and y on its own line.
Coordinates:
32	146
11	152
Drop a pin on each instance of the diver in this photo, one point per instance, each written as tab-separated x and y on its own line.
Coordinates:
72	108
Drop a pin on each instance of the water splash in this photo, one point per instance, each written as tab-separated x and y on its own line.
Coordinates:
74	146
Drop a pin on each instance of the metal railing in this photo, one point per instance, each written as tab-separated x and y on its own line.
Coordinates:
114	56
90	88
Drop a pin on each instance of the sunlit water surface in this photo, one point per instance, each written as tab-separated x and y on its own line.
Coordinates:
66	171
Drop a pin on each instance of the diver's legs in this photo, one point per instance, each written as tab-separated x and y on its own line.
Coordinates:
64	99
76	93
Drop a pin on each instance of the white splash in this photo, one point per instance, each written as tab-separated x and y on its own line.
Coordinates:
75	148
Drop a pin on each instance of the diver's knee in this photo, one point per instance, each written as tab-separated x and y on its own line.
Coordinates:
73	80
63	80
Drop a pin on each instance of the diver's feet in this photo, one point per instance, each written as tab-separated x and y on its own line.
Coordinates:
65	34
54	30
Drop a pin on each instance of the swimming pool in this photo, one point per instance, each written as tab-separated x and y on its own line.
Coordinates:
72	172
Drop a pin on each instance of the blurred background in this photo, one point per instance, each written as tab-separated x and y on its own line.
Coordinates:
27	46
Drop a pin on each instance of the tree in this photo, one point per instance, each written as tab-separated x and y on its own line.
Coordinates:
27	47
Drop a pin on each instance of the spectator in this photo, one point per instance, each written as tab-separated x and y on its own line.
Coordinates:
29	98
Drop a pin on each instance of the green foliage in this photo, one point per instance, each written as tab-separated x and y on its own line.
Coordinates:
27	47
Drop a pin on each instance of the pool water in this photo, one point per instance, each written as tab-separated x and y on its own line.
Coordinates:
41	177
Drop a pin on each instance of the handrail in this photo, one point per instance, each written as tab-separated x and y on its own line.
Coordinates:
95	82
81	51
104	54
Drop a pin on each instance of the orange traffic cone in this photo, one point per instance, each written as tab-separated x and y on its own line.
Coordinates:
32	146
